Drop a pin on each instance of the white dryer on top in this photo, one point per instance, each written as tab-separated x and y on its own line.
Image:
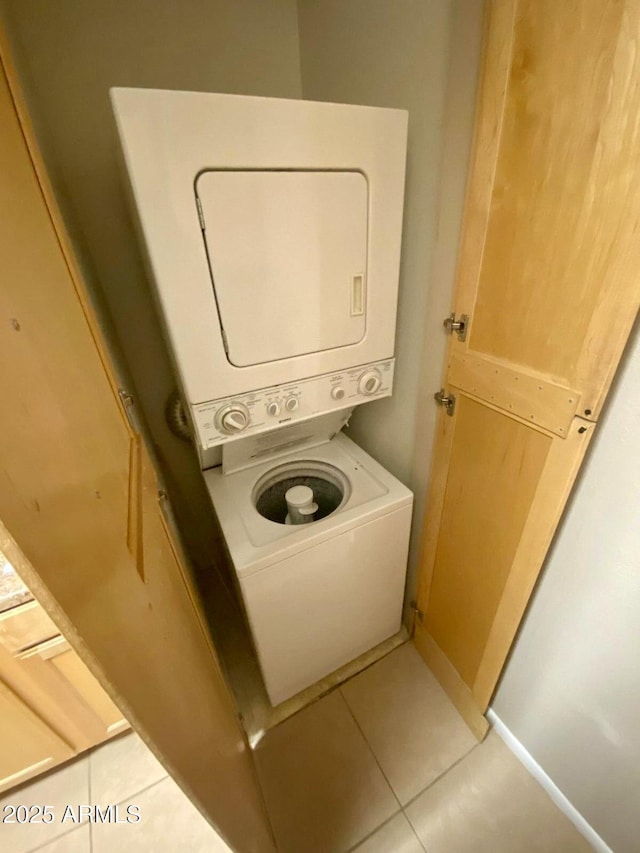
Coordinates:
272	229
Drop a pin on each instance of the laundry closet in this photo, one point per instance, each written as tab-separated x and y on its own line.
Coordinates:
353	174
322	393
350	353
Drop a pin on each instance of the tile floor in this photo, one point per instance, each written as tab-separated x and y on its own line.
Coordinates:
121	772
383	764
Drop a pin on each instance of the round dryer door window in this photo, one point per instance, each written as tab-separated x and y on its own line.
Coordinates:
278	495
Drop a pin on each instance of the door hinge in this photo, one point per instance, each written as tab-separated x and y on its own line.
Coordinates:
446	400
128	404
418	613
458	326
200	214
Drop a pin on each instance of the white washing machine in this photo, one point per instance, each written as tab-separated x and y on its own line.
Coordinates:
272	231
319	594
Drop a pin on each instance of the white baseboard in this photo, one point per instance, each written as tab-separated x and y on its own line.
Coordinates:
583	827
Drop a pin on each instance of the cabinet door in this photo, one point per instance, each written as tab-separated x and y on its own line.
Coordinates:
55	682
548	278
27	745
71	502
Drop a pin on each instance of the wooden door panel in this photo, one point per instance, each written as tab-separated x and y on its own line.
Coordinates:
548	278
547	212
498	490
79	514
549	257
534	398
482	522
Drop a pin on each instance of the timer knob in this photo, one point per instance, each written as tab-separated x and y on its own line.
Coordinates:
369	382
232	418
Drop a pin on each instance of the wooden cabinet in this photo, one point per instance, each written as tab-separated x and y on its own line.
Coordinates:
51	706
547	278
28	746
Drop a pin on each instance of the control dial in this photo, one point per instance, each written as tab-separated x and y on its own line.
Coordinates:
369	382
291	403
337	392
232	418
273	408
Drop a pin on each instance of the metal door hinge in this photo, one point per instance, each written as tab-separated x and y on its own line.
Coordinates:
458	326
418	613
446	400
200	214
128	404
125	397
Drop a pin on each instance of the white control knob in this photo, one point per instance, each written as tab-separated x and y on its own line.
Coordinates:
337	392
369	382
273	409
232	418
292	404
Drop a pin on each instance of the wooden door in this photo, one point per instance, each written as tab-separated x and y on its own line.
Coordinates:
549	276
80	514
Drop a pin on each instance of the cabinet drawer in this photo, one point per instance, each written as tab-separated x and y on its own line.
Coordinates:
25	626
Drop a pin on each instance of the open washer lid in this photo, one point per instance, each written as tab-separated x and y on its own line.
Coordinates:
287	253
254	449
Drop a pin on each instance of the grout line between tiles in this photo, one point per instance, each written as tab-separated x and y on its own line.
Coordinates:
369	747
373	832
416	834
439	777
148	788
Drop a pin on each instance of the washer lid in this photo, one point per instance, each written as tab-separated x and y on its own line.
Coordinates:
288	255
249	451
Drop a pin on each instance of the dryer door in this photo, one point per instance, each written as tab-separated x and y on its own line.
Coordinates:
288	258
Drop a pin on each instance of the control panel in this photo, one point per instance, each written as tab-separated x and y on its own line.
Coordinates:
220	421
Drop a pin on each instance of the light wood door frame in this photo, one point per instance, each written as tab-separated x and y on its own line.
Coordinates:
555	410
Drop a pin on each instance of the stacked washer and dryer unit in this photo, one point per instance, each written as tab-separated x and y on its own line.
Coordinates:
272	231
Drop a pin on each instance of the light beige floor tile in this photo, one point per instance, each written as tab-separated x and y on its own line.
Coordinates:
68	786
396	836
490	804
78	841
121	768
169	823
413	729
324	790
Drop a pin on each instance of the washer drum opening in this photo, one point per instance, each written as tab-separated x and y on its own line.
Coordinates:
330	488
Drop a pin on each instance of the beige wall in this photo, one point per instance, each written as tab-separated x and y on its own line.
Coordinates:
571	691
69	53
421	57
390	55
